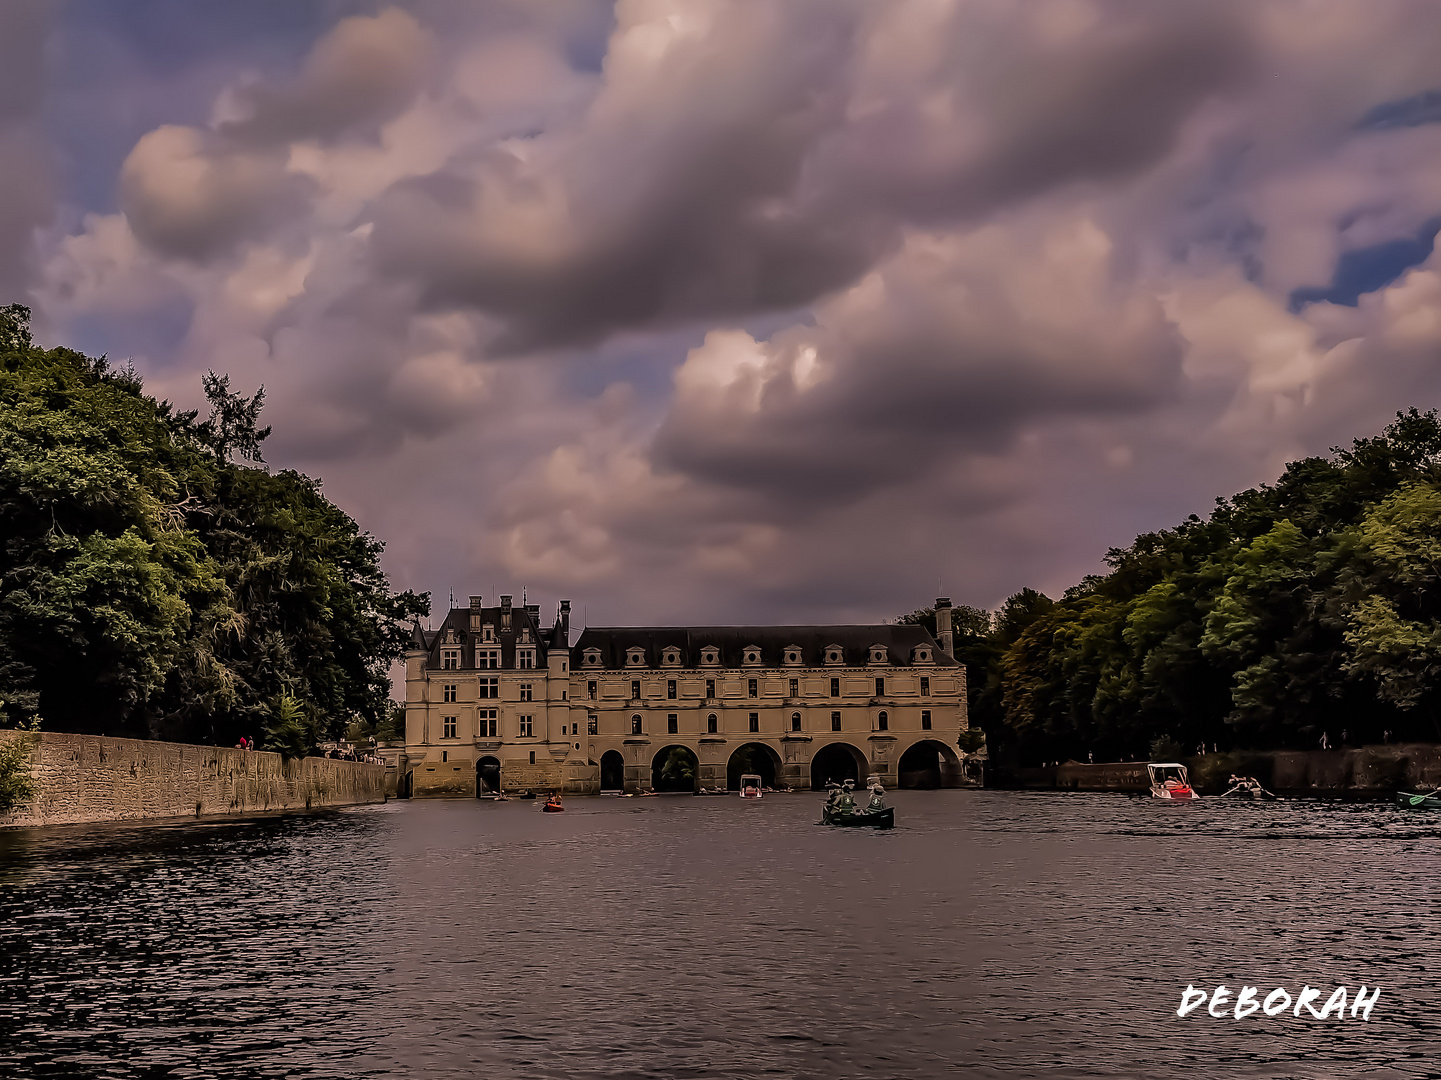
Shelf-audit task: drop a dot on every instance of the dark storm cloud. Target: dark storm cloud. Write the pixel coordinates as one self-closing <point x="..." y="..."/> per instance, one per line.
<point x="362" y="72"/>
<point x="782" y="159"/>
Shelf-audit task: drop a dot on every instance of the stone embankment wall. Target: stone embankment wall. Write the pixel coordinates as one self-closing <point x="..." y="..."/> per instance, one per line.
<point x="86" y="778"/>
<point x="1361" y="772"/>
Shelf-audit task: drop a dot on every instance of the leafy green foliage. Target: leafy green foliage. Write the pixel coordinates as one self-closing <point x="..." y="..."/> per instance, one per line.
<point x="1311" y="606"/>
<point x="151" y="586"/>
<point x="16" y="785"/>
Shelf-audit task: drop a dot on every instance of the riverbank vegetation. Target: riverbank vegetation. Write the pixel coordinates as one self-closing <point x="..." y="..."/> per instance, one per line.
<point x="1304" y="610"/>
<point x="157" y="580"/>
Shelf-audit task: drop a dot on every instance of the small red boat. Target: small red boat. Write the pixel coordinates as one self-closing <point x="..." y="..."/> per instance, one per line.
<point x="552" y="806"/>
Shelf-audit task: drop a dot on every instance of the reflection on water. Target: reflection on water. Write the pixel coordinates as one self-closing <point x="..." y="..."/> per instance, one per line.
<point x="993" y="934"/>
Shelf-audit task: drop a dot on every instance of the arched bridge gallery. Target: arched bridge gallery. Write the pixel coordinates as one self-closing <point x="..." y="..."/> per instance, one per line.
<point x="495" y="702"/>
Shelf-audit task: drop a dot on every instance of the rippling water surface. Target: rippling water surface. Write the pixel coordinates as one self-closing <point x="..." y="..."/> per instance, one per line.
<point x="992" y="934"/>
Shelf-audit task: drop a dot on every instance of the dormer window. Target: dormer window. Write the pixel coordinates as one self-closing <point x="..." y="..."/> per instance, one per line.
<point x="525" y="635"/>
<point x="752" y="654"/>
<point x="592" y="658"/>
<point x="635" y="657"/>
<point x="487" y="632"/>
<point x="792" y="654"/>
<point x="878" y="654"/>
<point x="672" y="657"/>
<point x="835" y="654"/>
<point x="451" y="637"/>
<point x="923" y="654"/>
<point x="449" y="659"/>
<point x="709" y="656"/>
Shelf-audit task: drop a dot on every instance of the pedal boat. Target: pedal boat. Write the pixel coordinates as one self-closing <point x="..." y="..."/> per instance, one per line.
<point x="859" y="818"/>
<point x="750" y="786"/>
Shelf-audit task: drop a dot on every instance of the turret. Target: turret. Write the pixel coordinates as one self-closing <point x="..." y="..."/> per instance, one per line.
<point x="943" y="626"/>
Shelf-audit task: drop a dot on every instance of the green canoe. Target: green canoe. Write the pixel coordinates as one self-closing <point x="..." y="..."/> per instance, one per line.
<point x="866" y="819"/>
<point x="1427" y="802"/>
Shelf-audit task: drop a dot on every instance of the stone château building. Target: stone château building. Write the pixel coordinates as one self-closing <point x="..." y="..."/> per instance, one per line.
<point x="494" y="701"/>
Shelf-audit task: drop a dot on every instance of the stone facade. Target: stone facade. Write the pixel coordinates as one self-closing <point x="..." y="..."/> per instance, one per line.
<point x="88" y="778"/>
<point x="495" y="701"/>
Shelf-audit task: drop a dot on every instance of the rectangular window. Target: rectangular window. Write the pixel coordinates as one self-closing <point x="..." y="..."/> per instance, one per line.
<point x="487" y="658"/>
<point x="490" y="687"/>
<point x="925" y="719"/>
<point x="752" y="688"/>
<point x="672" y="724"/>
<point x="449" y="659"/>
<point x="835" y="721"/>
<point x="755" y="722"/>
<point x="525" y="658"/>
<point x="635" y="688"/>
<point x="532" y="757"/>
<point x="795" y="721"/>
<point x="526" y="692"/>
<point x="795" y="688"/>
<point x="635" y="728"/>
<point x="925" y="686"/>
<point x="710" y="688"/>
<point x="444" y="756"/>
<point x="447" y="730"/>
<point x="710" y="724"/>
<point x="590" y="689"/>
<point x="592" y="725"/>
<point x="883" y="722"/>
<point x="449" y="694"/>
<point x="575" y="727"/>
<point x="527" y="726"/>
<point x="670" y="689"/>
<point x="880" y="687"/>
<point x="835" y="688"/>
<point x="485" y="724"/>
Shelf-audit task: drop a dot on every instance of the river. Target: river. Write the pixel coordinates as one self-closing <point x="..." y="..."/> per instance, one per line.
<point x="992" y="934"/>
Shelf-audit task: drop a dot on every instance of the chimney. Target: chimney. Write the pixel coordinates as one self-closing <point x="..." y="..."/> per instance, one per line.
<point x="565" y="623"/>
<point x="475" y="612"/>
<point x="505" y="612"/>
<point x="533" y="610"/>
<point x="943" y="626"/>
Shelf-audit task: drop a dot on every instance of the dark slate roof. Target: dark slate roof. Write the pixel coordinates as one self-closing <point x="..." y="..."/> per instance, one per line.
<point x="732" y="641"/>
<point x="458" y="619"/>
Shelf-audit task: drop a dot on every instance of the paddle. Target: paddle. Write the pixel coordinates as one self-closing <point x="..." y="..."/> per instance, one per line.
<point x="1417" y="800"/>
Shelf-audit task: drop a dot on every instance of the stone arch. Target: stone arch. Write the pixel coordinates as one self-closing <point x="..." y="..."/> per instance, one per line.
<point x="838" y="761"/>
<point x="612" y="771"/>
<point x="487" y="776"/>
<point x="929" y="763"/>
<point x="753" y="757"/>
<point x="675" y="768"/>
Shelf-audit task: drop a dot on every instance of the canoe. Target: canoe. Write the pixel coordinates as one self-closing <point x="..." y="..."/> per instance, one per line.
<point x="866" y="819"/>
<point x="1429" y="802"/>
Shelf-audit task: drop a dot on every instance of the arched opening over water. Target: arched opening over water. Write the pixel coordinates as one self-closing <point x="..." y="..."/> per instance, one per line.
<point x="612" y="771"/>
<point x="674" y="768"/>
<point x="837" y="762"/>
<point x="753" y="757"/>
<point x="487" y="776"/>
<point x="929" y="764"/>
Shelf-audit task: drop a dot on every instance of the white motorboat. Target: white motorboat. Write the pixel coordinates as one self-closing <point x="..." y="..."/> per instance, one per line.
<point x="1169" y="780"/>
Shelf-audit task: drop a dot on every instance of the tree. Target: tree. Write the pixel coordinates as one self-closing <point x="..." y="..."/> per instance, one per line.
<point x="152" y="586"/>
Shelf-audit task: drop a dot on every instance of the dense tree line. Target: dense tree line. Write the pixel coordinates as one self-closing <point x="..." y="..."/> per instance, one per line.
<point x="1305" y="608"/>
<point x="157" y="581"/>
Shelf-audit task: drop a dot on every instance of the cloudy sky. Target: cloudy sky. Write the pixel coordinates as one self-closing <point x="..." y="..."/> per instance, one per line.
<point x="713" y="311"/>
